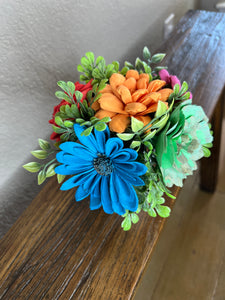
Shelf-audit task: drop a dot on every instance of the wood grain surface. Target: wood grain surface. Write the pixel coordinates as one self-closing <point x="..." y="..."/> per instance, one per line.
<point x="59" y="249"/>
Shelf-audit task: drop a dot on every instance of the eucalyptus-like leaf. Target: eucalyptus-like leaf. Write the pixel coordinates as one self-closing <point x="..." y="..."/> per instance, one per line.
<point x="58" y="129"/>
<point x="51" y="170"/>
<point x="161" y="109"/>
<point x="160" y="123"/>
<point x="150" y="135"/>
<point x="80" y="68"/>
<point x="125" y="136"/>
<point x="40" y="154"/>
<point x="146" y="53"/>
<point x="60" y="178"/>
<point x="116" y="65"/>
<point x="157" y="58"/>
<point x="136" y="125"/>
<point x="63" y="85"/>
<point x="176" y="88"/>
<point x="32" y="167"/>
<point x="135" y="144"/>
<point x="41" y="177"/>
<point x="44" y="144"/>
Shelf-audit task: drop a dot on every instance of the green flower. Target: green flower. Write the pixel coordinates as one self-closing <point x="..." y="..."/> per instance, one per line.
<point x="181" y="143"/>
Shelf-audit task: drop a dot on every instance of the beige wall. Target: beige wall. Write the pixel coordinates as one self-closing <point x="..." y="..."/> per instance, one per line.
<point x="42" y="42"/>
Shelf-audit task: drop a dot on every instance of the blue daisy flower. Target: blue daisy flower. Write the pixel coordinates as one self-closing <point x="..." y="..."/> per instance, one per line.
<point x="103" y="169"/>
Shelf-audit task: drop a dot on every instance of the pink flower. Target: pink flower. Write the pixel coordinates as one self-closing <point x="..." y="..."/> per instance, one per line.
<point x="170" y="79"/>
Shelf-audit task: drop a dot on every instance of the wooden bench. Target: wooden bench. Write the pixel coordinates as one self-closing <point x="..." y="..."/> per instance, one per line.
<point x="59" y="249"/>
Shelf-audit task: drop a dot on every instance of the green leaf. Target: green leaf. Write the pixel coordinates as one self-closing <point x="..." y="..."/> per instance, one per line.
<point x="125" y="136"/>
<point x="184" y="88"/>
<point x="59" y="121"/>
<point x="134" y="218"/>
<point x="106" y="119"/>
<point x="91" y="57"/>
<point x="62" y="95"/>
<point x="87" y="131"/>
<point x="152" y="212"/>
<point x="163" y="211"/>
<point x="79" y="120"/>
<point x="75" y="111"/>
<point x="206" y="152"/>
<point x="100" y="126"/>
<point x="129" y="65"/>
<point x="161" y="109"/>
<point x="57" y="129"/>
<point x="60" y="178"/>
<point x="124" y="70"/>
<point x="78" y="95"/>
<point x="150" y="135"/>
<point x="146" y="53"/>
<point x="99" y="58"/>
<point x="138" y="63"/>
<point x="136" y="125"/>
<point x="32" y="167"/>
<point x="40" y="154"/>
<point x="68" y="111"/>
<point x="126" y="224"/>
<point x="71" y="87"/>
<point x="176" y="89"/>
<point x="41" y="177"/>
<point x="63" y="85"/>
<point x="51" y="170"/>
<point x="116" y="66"/>
<point x="68" y="124"/>
<point x="157" y="58"/>
<point x="80" y="68"/>
<point x="135" y="144"/>
<point x="160" y="123"/>
<point x="44" y="144"/>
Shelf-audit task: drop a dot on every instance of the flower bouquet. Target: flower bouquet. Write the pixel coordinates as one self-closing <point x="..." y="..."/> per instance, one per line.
<point x="124" y="136"/>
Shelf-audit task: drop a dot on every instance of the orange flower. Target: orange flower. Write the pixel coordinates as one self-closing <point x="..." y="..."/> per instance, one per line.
<point x="130" y="96"/>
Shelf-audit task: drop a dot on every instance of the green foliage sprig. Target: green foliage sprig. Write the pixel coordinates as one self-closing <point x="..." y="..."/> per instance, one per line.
<point x="145" y="66"/>
<point x="96" y="69"/>
<point x="46" y="169"/>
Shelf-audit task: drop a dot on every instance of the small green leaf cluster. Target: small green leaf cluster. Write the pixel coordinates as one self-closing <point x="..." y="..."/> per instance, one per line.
<point x="96" y="69"/>
<point x="68" y="91"/>
<point x="46" y="169"/>
<point x="144" y="66"/>
<point x="129" y="218"/>
<point x="179" y="94"/>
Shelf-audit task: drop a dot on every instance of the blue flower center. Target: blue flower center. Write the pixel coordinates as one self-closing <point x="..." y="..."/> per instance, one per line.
<point x="103" y="164"/>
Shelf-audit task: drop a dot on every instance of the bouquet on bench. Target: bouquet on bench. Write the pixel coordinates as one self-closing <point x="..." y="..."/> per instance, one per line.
<point x="124" y="136"/>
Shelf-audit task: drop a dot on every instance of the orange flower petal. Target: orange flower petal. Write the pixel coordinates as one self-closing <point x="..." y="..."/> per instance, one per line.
<point x="144" y="119"/>
<point x="156" y="85"/>
<point x="125" y="94"/>
<point x="107" y="89"/>
<point x="131" y="84"/>
<point x="95" y="106"/>
<point x="104" y="113"/>
<point x="165" y="93"/>
<point x="135" y="108"/>
<point x="142" y="83"/>
<point x="119" y="123"/>
<point x="144" y="75"/>
<point x="138" y="94"/>
<point x="116" y="79"/>
<point x="132" y="73"/>
<point x="110" y="102"/>
<point x="151" y="97"/>
<point x="149" y="110"/>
